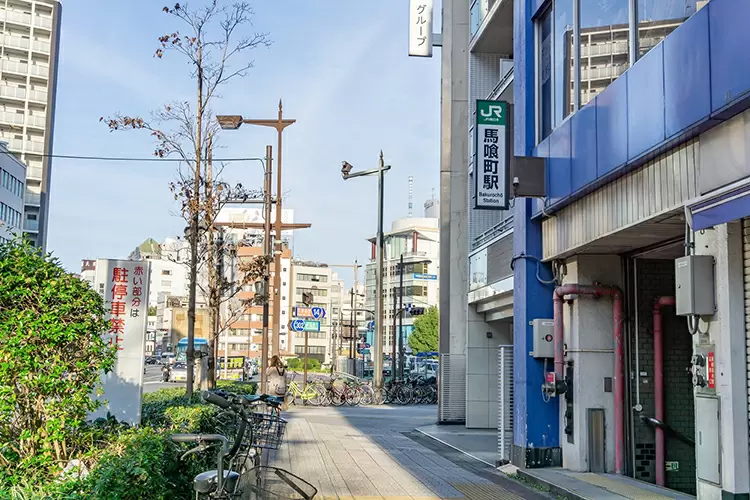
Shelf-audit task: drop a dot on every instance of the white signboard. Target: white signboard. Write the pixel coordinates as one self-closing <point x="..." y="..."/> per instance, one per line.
<point x="420" y="28"/>
<point x="491" y="155"/>
<point x="124" y="286"/>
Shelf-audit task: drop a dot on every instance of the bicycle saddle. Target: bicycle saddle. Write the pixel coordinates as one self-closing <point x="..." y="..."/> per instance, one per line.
<point x="205" y="482"/>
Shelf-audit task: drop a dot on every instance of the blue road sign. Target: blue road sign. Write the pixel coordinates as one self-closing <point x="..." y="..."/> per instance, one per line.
<point x="370" y="326"/>
<point x="421" y="276"/>
<point x="304" y="325"/>
<point x="318" y="312"/>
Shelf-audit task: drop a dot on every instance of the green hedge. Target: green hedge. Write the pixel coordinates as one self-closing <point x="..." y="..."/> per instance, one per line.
<point x="134" y="463"/>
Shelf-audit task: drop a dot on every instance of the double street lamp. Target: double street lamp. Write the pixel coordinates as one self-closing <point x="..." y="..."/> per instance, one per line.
<point x="377" y="355"/>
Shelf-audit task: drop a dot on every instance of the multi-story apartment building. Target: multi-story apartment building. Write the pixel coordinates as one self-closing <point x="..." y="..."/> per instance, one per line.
<point x="246" y="328"/>
<point x="12" y="180"/>
<point x="417" y="241"/>
<point x="169" y="268"/>
<point x="29" y="51"/>
<point x="639" y="110"/>
<point x="326" y="289"/>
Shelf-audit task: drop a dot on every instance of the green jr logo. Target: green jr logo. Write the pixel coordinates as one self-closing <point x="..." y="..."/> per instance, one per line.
<point x="491" y="112"/>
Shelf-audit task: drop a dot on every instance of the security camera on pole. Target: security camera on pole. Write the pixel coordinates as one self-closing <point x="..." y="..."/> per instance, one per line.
<point x="377" y="355"/>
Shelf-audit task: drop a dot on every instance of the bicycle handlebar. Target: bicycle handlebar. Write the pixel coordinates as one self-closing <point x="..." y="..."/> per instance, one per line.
<point x="213" y="398"/>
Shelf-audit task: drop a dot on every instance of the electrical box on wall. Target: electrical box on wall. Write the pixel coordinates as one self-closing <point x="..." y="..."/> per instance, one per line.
<point x="694" y="285"/>
<point x="543" y="346"/>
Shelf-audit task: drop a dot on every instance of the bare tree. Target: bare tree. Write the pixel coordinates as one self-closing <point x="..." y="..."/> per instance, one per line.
<point x="215" y="46"/>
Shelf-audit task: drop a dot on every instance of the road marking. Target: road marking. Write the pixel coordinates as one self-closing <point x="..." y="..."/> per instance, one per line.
<point x="457" y="449"/>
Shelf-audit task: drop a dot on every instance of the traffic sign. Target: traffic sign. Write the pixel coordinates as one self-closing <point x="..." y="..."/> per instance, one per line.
<point x="309" y="312"/>
<point x="422" y="276"/>
<point x="318" y="312"/>
<point x="370" y="326"/>
<point x="304" y="325"/>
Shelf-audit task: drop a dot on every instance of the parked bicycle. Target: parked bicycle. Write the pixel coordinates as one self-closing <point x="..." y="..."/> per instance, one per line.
<point x="238" y="473"/>
<point x="312" y="393"/>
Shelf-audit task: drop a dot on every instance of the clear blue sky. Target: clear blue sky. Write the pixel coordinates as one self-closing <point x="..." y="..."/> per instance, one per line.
<point x="342" y="69"/>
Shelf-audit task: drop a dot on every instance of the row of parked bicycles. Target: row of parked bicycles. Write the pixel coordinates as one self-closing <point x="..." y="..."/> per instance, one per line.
<point x="341" y="389"/>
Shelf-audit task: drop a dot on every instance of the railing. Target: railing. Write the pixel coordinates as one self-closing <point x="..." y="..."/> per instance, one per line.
<point x="16" y="67"/>
<point x="43" y="22"/>
<point x="39" y="46"/>
<point x="39" y="70"/>
<point x="14" y="16"/>
<point x="34" y="173"/>
<point x="493" y="232"/>
<point x="30" y="225"/>
<point x="16" y="42"/>
<point x="32" y="198"/>
<point x="605" y="72"/>
<point x="36" y="121"/>
<point x="12" y="118"/>
<point x="35" y="146"/>
<point x="38" y="95"/>
<point x="604" y="49"/>
<point x="12" y="92"/>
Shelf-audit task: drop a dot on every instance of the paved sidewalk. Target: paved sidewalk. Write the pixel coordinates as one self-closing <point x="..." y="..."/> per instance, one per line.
<point x="374" y="452"/>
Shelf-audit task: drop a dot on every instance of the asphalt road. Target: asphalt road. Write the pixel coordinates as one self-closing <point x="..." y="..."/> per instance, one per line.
<point x="152" y="380"/>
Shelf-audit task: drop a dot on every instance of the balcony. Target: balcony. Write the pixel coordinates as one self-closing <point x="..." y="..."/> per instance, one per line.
<point x="39" y="70"/>
<point x="40" y="46"/>
<point x="31" y="225"/>
<point x="12" y="92"/>
<point x="34" y="173"/>
<point x="16" y="17"/>
<point x="604" y="49"/>
<point x="38" y="96"/>
<point x="30" y="198"/>
<point x="17" y="42"/>
<point x="11" y="118"/>
<point x="43" y="22"/>
<point x="18" y="68"/>
<point x="492" y="27"/>
<point x="35" y="146"/>
<point x="606" y="72"/>
<point x="36" y="121"/>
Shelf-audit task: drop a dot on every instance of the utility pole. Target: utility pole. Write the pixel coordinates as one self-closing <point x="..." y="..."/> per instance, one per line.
<point x="400" y="268"/>
<point x="266" y="253"/>
<point x="401" y="320"/>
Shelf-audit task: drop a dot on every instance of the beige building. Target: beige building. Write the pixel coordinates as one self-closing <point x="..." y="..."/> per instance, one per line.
<point x="28" y="77"/>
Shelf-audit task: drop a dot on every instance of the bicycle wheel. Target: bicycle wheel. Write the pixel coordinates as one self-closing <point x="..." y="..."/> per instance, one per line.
<point x="337" y="396"/>
<point x="353" y="396"/>
<point x="272" y="483"/>
<point x="367" y="395"/>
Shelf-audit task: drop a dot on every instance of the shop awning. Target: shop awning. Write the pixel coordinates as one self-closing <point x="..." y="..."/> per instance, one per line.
<point x="723" y="205"/>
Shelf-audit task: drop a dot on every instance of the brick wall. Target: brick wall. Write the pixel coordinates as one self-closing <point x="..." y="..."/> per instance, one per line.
<point x="656" y="278"/>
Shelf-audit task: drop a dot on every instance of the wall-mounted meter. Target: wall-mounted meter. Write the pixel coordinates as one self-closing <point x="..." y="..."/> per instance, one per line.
<point x="543" y="346"/>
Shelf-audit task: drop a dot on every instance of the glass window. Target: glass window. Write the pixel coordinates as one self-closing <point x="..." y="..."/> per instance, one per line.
<point x="657" y="19"/>
<point x="603" y="44"/>
<point x="545" y="74"/>
<point x="563" y="76"/>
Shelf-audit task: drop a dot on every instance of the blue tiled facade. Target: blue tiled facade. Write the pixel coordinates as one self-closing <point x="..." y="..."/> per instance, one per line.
<point x="697" y="77"/>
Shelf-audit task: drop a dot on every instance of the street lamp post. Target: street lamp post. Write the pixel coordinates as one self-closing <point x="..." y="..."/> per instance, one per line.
<point x="398" y="312"/>
<point x="233" y="122"/>
<point x="377" y="355"/>
<point x="266" y="252"/>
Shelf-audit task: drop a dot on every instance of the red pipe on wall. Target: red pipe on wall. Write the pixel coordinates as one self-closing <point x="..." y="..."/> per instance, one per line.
<point x="619" y="382"/>
<point x="659" y="387"/>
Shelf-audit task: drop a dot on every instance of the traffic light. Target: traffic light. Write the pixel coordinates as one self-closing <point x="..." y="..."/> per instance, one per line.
<point x="417" y="311"/>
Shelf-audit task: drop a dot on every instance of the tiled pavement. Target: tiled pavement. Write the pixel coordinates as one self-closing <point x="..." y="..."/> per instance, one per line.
<point x="374" y="453"/>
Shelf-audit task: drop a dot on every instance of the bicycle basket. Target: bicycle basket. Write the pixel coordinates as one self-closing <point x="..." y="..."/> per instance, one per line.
<point x="272" y="483"/>
<point x="268" y="430"/>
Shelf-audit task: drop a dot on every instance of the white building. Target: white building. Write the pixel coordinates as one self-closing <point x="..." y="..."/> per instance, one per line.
<point x="28" y="78"/>
<point x="169" y="268"/>
<point x="326" y="288"/>
<point x="246" y="213"/>
<point x="417" y="240"/>
<point x="12" y="179"/>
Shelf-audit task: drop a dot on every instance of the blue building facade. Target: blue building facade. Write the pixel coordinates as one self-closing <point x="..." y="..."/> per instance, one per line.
<point x="639" y="109"/>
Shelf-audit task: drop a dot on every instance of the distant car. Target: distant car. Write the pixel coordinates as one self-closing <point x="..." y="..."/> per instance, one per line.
<point x="178" y="372"/>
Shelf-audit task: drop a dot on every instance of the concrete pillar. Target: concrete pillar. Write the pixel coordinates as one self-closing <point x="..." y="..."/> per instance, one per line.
<point x="454" y="202"/>
<point x="726" y="331"/>
<point x="589" y="337"/>
<point x="481" y="369"/>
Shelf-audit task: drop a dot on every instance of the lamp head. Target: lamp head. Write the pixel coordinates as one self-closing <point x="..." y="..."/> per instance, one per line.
<point x="346" y="169"/>
<point x="229" y="122"/>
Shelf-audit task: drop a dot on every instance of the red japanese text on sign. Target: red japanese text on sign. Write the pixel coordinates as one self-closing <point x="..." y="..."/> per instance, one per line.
<point x="119" y="275"/>
<point x="711" y="371"/>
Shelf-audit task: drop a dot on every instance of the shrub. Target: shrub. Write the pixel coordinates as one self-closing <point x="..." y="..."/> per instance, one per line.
<point x="51" y="358"/>
<point x="294" y="363"/>
<point x="313" y="364"/>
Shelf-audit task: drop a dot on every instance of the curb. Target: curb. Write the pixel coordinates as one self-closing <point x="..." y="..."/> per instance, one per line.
<point x="553" y="488"/>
